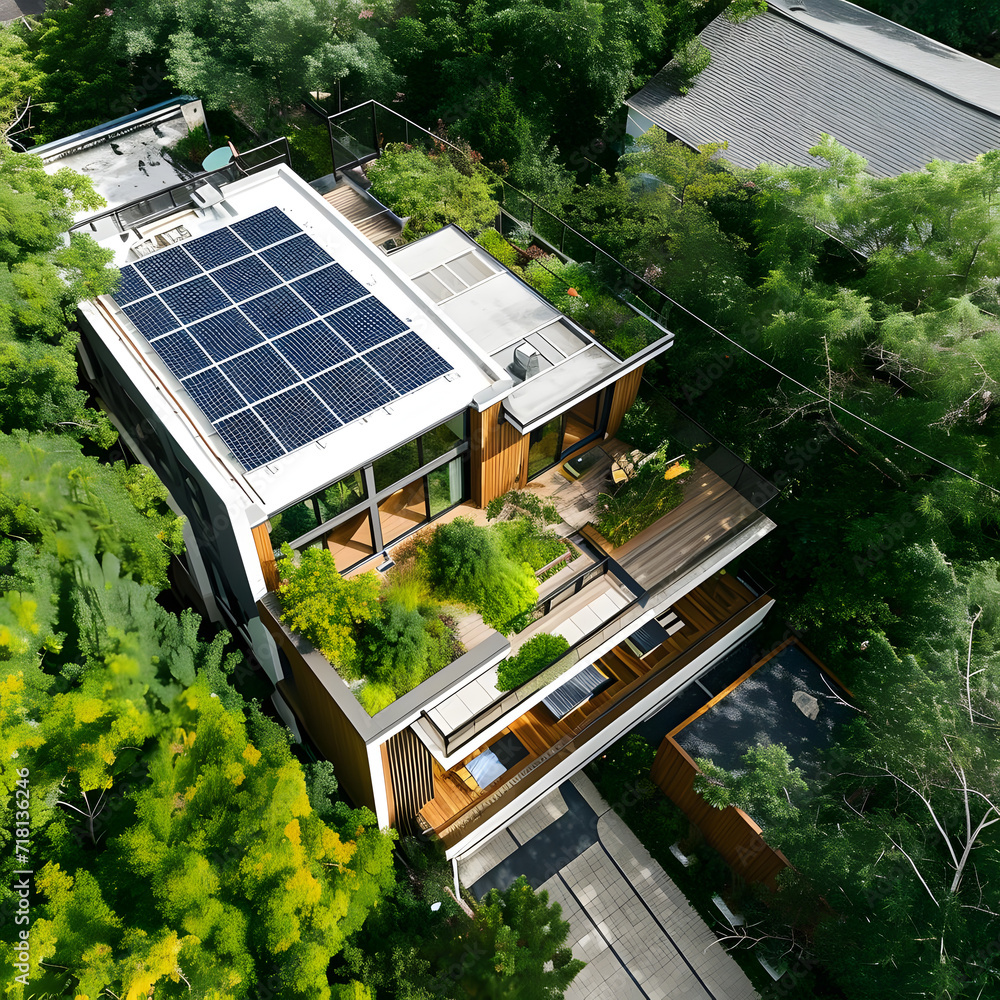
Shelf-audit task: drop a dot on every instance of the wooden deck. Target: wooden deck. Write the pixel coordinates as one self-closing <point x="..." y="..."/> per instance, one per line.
<point x="375" y="222"/>
<point x="707" y="606"/>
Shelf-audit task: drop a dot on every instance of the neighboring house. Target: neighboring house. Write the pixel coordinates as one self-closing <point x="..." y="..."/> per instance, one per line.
<point x="781" y="78"/>
<point x="290" y="382"/>
<point x="128" y="158"/>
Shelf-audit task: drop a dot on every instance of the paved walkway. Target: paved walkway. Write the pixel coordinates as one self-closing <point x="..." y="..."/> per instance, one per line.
<point x="640" y="938"/>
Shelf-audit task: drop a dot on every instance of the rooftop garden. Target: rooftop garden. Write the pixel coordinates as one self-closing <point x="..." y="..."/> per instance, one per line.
<point x="385" y="634"/>
<point x="449" y="184"/>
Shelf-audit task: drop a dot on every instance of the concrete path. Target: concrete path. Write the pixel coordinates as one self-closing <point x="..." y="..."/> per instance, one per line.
<point x="640" y="938"/>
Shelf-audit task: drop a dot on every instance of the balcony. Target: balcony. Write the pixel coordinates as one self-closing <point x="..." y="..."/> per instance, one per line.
<point x="708" y="613"/>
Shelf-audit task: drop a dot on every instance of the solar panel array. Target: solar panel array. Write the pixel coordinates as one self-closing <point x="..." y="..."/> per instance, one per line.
<point x="273" y="339"/>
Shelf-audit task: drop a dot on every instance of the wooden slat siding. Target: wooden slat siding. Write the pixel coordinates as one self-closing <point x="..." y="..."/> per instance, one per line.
<point x="412" y="777"/>
<point x="265" y="553"/>
<point x="626" y="389"/>
<point x="328" y="727"/>
<point x="730" y="831"/>
<point x="458" y="826"/>
<point x="497" y="455"/>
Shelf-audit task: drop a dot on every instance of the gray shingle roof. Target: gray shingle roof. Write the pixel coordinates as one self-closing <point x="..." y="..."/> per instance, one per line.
<point x="780" y="79"/>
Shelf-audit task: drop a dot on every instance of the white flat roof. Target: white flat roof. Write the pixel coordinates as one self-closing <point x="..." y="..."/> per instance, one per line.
<point x="307" y="469"/>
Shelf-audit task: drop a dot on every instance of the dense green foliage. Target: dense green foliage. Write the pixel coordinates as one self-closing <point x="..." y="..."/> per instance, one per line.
<point x="533" y="657"/>
<point x="173" y="836"/>
<point x="433" y="190"/>
<point x="470" y="564"/>
<point x="257" y="58"/>
<point x="512" y="948"/>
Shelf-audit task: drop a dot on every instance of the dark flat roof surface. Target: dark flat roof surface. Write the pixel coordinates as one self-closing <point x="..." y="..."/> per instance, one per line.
<point x="780" y="79"/>
<point x="760" y="712"/>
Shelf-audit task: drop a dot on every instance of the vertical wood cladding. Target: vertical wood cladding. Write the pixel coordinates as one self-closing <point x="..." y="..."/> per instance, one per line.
<point x="265" y="553"/>
<point x="626" y="389"/>
<point x="730" y="831"/>
<point x="412" y="778"/>
<point x="498" y="455"/>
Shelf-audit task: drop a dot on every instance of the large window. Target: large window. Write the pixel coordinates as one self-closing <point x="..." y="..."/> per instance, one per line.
<point x="556" y="438"/>
<point x="306" y="515"/>
<point x="372" y="508"/>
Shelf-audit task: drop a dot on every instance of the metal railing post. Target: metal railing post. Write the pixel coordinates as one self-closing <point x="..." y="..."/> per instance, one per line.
<point x="333" y="154"/>
<point x="375" y="144"/>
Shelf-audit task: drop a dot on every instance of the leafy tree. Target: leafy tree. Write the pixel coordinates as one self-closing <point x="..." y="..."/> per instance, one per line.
<point x="83" y="81"/>
<point x="258" y="58"/>
<point x="19" y="77"/>
<point x="513" y="946"/>
<point x="763" y="788"/>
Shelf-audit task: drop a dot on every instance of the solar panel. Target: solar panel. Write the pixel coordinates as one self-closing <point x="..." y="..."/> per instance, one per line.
<point x="407" y="363"/>
<point x="366" y="323"/>
<point x="245" y="278"/>
<point x="267" y="372"/>
<point x="167" y="267"/>
<point x="313" y="348"/>
<point x="151" y="317"/>
<point x="277" y="312"/>
<point x="296" y="257"/>
<point x="265" y="228"/>
<point x="352" y="390"/>
<point x="195" y="299"/>
<point x="132" y="286"/>
<point x="259" y="373"/>
<point x="183" y="355"/>
<point x="329" y="289"/>
<point x="225" y="334"/>
<point x="214" y="393"/>
<point x="216" y="249"/>
<point x="297" y="417"/>
<point x="250" y="441"/>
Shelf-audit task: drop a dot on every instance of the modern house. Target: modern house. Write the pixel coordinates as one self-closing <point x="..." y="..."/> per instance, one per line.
<point x="780" y="79"/>
<point x="290" y="382"/>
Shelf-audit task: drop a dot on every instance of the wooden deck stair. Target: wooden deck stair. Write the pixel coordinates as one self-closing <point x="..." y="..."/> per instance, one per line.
<point x="375" y="222"/>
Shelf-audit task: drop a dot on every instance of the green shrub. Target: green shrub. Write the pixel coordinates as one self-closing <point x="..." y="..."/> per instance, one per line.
<point x="532" y="658"/>
<point x="496" y="246"/>
<point x="327" y="609"/>
<point x="467" y="563"/>
<point x="431" y="191"/>
<point x="375" y="696"/>
<point x="646" y="497"/>
<point x="396" y="647"/>
<point x="522" y="540"/>
<point x="522" y="503"/>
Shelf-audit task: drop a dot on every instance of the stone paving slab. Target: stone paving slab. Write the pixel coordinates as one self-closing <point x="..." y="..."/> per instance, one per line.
<point x="633" y="927"/>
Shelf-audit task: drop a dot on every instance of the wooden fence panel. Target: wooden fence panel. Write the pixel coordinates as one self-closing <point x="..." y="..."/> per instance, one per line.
<point x="730" y="831"/>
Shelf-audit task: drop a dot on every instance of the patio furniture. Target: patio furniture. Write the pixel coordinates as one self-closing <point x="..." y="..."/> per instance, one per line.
<point x="485" y="768"/>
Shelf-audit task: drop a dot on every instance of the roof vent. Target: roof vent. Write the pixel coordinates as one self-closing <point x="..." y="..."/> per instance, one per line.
<point x="796" y="6"/>
<point x="527" y="362"/>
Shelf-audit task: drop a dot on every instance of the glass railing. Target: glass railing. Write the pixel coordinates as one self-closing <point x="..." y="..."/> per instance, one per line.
<point x="144" y="210"/>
